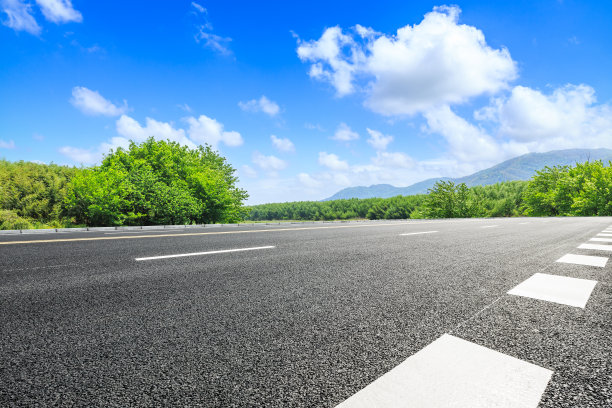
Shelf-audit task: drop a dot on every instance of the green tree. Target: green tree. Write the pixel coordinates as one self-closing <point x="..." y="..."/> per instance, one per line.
<point x="157" y="182"/>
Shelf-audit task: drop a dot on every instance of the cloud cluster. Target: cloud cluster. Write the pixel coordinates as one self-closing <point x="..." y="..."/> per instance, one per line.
<point x="204" y="34"/>
<point x="437" y="61"/>
<point x="262" y="104"/>
<point x="282" y="144"/>
<point x="92" y="103"/>
<point x="344" y="133"/>
<point x="19" y="14"/>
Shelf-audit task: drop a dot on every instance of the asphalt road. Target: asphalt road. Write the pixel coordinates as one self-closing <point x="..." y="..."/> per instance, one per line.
<point x="309" y="322"/>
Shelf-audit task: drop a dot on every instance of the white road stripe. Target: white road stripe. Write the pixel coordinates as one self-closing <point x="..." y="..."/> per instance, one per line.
<point x="203" y="253"/>
<point x="604" y="235"/>
<point x="595" y="246"/>
<point x="136" y="232"/>
<point x="417" y="233"/>
<point x="584" y="260"/>
<point x="557" y="289"/>
<point x="489" y="226"/>
<point x="601" y="239"/>
<point x="452" y="372"/>
<point x="523" y="223"/>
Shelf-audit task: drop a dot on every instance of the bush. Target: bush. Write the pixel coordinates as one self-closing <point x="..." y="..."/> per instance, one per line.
<point x="9" y="220"/>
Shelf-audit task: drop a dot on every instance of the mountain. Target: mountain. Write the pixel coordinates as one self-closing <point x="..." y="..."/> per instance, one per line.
<point x="518" y="168"/>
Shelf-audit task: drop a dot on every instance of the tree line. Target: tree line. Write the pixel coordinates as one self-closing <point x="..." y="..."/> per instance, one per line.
<point x="162" y="182"/>
<point x="152" y="183"/>
<point x="584" y="189"/>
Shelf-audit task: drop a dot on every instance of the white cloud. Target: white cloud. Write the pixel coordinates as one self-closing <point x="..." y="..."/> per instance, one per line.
<point x="282" y="144"/>
<point x="437" y="61"/>
<point x="308" y="181"/>
<point x="59" y="11"/>
<point x="208" y="130"/>
<point x="198" y="7"/>
<point x="344" y="133"/>
<point x="568" y="117"/>
<point x="394" y="160"/>
<point x="248" y="171"/>
<point x="269" y="163"/>
<point x="262" y="104"/>
<point x="332" y="162"/>
<point x="92" y="103"/>
<point x="81" y="156"/>
<point x="130" y="129"/>
<point x="7" y="145"/>
<point x="213" y="41"/>
<point x="377" y="140"/>
<point x="18" y="16"/>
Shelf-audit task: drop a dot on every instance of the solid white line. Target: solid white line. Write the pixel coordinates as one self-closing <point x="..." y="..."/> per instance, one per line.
<point x="203" y="253"/>
<point x="604" y="235"/>
<point x="601" y="239"/>
<point x="584" y="260"/>
<point x="595" y="246"/>
<point x="557" y="289"/>
<point x="489" y="226"/>
<point x="417" y="233"/>
<point x="452" y="372"/>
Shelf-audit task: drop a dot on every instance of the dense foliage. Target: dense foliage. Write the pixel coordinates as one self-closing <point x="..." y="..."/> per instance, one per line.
<point x="156" y="182"/>
<point x="32" y="194"/>
<point x="583" y="189"/>
<point x="159" y="182"/>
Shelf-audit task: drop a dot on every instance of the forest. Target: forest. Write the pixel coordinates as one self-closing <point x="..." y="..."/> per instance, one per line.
<point x="162" y="182"/>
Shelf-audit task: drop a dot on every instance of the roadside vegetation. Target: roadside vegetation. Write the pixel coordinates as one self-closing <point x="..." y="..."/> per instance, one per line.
<point x="152" y="183"/>
<point x="162" y="182"/>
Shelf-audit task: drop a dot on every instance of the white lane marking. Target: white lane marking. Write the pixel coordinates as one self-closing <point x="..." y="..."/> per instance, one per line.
<point x="607" y="231"/>
<point x="600" y="239"/>
<point x="417" y="233"/>
<point x="523" y="223"/>
<point x="135" y="232"/>
<point x="604" y="235"/>
<point x="557" y="289"/>
<point x="595" y="246"/>
<point x="203" y="253"/>
<point x="455" y="372"/>
<point x="489" y="226"/>
<point x="584" y="260"/>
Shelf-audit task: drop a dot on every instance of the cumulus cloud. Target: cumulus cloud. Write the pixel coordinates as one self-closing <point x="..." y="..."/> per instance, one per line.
<point x="19" y="17"/>
<point x="344" y="133"/>
<point x="437" y="61"/>
<point x="393" y="159"/>
<point x="59" y="11"/>
<point x="208" y="130"/>
<point x="377" y="140"/>
<point x="568" y="117"/>
<point x="7" y="144"/>
<point x="308" y="181"/>
<point x="282" y="144"/>
<point x="81" y="156"/>
<point x="269" y="163"/>
<point x="130" y="129"/>
<point x="332" y="162"/>
<point x="262" y="104"/>
<point x="92" y="103"/>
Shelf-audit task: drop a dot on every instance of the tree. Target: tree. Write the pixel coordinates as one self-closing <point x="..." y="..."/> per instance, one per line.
<point x="157" y="182"/>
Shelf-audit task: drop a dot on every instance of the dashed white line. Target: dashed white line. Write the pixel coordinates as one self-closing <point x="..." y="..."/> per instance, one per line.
<point x="595" y="246"/>
<point x="455" y="372"/>
<point x="421" y="232"/>
<point x="604" y="235"/>
<point x="150" y="258"/>
<point x="601" y="239"/>
<point x="523" y="223"/>
<point x="584" y="260"/>
<point x="557" y="289"/>
<point x="489" y="226"/>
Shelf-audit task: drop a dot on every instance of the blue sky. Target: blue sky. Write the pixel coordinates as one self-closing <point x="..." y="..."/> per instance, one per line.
<point x="305" y="99"/>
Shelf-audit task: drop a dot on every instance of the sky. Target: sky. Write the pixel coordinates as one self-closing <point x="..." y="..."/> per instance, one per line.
<point x="307" y="98"/>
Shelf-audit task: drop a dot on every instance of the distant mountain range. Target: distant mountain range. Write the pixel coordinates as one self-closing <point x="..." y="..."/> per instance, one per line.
<point x="518" y="168"/>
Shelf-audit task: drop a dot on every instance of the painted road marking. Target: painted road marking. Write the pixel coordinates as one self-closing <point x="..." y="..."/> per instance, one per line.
<point x="150" y="258"/>
<point x="557" y="289"/>
<point x="489" y="226"/>
<point x="604" y="235"/>
<point x="595" y="246"/>
<point x="417" y="233"/>
<point x="601" y="239"/>
<point x="584" y="260"/>
<point x="452" y="372"/>
<point x="135" y="232"/>
<point x="523" y="223"/>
